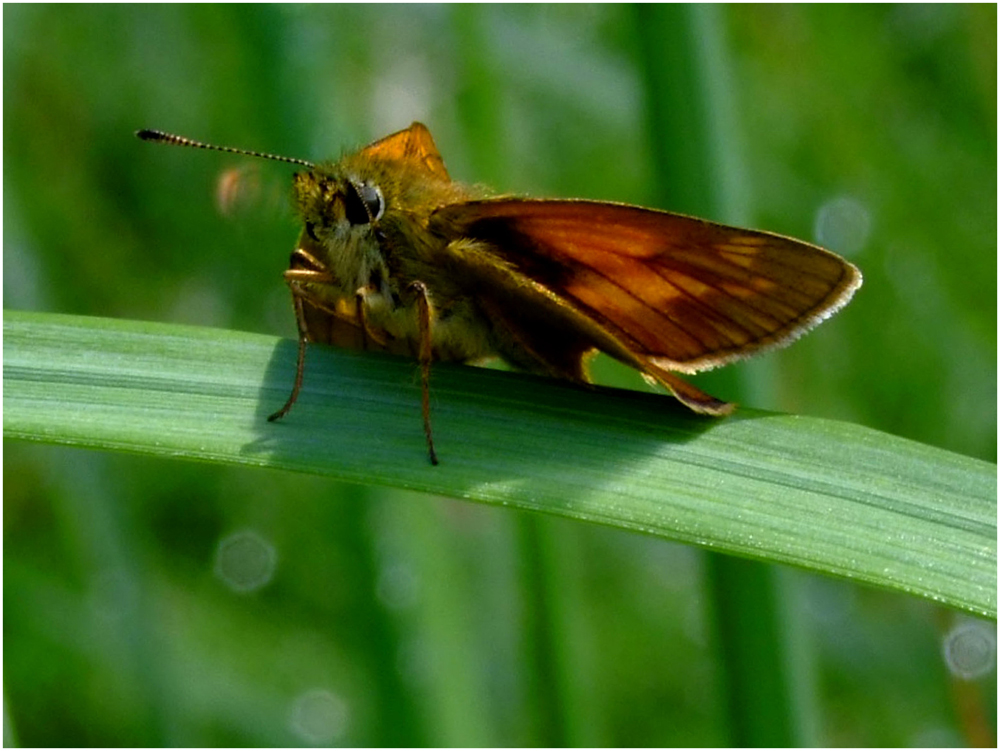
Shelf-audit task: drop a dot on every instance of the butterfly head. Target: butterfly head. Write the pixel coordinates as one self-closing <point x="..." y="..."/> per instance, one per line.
<point x="337" y="207"/>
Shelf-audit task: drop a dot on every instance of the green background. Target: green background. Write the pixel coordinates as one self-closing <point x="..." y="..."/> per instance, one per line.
<point x="407" y="619"/>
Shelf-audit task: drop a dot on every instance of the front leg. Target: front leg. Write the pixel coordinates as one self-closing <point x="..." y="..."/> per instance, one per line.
<point x="334" y="322"/>
<point x="294" y="278"/>
<point x="425" y="316"/>
<point x="305" y="270"/>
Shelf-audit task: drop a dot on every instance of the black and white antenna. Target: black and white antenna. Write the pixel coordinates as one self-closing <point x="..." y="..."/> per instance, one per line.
<point x="161" y="137"/>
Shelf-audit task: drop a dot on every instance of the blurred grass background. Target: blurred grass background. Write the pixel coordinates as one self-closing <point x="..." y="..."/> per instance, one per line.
<point x="374" y="617"/>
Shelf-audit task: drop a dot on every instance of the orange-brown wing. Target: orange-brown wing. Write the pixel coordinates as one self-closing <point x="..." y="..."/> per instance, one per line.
<point x="673" y="292"/>
<point x="415" y="145"/>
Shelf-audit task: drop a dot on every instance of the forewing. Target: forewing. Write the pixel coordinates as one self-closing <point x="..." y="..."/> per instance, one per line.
<point x="676" y="292"/>
<point x="414" y="145"/>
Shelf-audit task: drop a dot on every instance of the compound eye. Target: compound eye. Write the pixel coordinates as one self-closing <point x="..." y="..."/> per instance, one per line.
<point x="363" y="203"/>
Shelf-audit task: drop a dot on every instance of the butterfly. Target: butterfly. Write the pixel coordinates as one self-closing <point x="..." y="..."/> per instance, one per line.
<point x="396" y="256"/>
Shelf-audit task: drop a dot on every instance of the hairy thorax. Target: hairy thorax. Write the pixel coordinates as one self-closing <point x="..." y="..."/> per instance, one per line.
<point x="367" y="223"/>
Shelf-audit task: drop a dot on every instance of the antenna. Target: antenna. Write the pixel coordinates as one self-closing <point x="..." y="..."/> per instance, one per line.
<point x="161" y="137"/>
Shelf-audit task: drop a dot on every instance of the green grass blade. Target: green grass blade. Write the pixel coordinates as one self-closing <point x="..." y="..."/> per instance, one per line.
<point x="831" y="497"/>
<point x="693" y="134"/>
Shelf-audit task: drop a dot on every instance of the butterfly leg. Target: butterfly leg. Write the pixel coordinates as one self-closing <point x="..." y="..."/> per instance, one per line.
<point x="301" y="362"/>
<point x="303" y="268"/>
<point x="359" y="312"/>
<point x="425" y="354"/>
<point x="367" y="336"/>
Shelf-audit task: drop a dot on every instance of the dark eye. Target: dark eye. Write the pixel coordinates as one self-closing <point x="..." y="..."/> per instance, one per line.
<point x="362" y="203"/>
